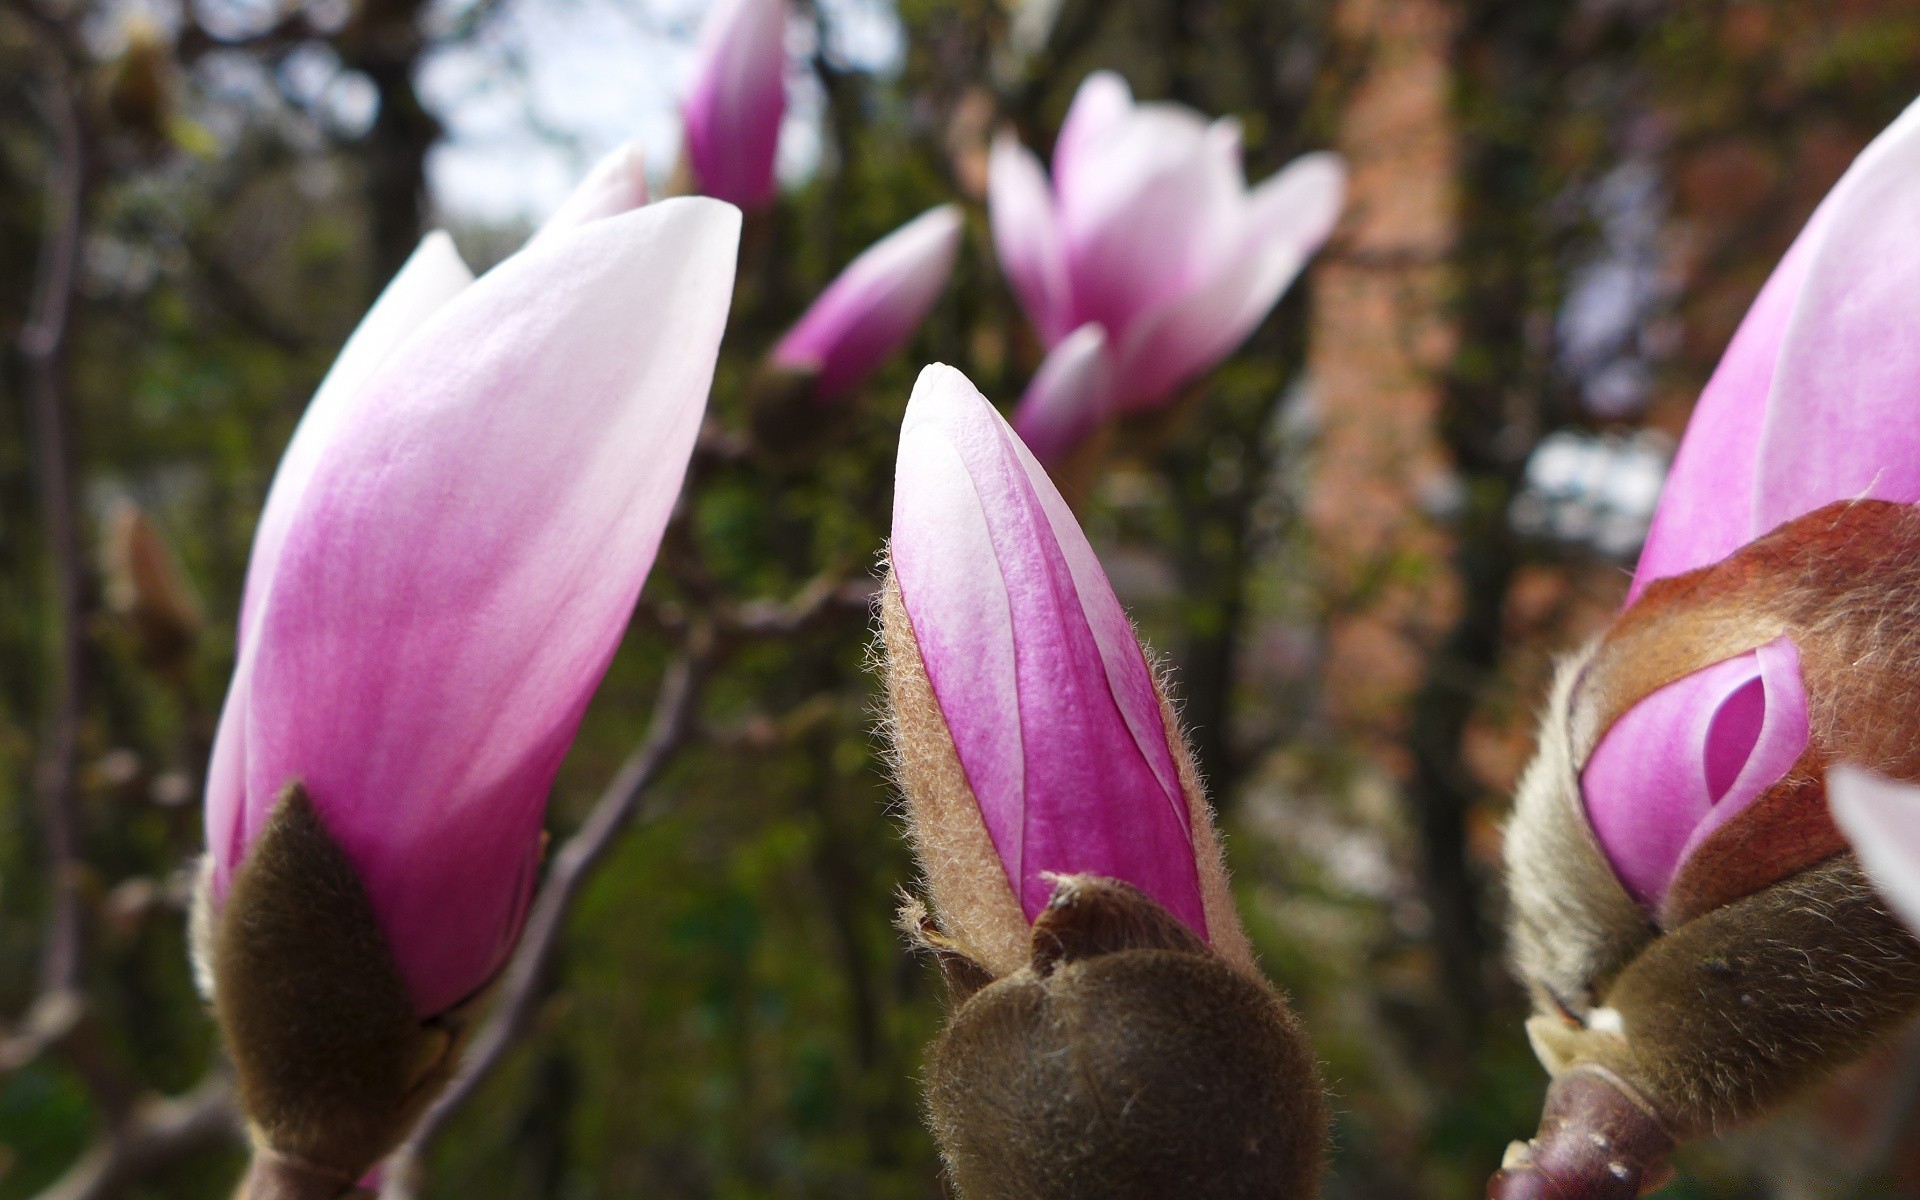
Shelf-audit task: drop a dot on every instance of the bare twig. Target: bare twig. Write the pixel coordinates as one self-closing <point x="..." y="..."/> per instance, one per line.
<point x="522" y="982"/>
<point x="43" y="344"/>
<point x="157" y="1132"/>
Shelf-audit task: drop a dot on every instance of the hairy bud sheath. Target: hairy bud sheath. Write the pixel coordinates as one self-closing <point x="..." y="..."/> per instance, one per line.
<point x="333" y="1065"/>
<point x="1699" y="941"/>
<point x="1111" y="1033"/>
<point x="1125" y="1059"/>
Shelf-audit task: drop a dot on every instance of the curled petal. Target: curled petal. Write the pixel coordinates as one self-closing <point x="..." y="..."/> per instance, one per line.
<point x="1881" y="817"/>
<point x="431" y="276"/>
<point x="1691" y="757"/>
<point x="1047" y="695"/>
<point x="874" y="305"/>
<point x="1026" y="237"/>
<point x="459" y="570"/>
<point x="1070" y="396"/>
<point x="734" y="109"/>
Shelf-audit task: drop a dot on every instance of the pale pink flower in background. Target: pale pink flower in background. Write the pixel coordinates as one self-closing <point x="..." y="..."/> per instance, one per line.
<point x="1047" y="696"/>
<point x="1817" y="400"/>
<point x="1149" y="230"/>
<point x="734" y="108"/>
<point x="451" y="550"/>
<point x="1071" y="395"/>
<point x="874" y="306"/>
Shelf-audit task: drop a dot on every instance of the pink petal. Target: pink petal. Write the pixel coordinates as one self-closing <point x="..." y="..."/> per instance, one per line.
<point x="1070" y="396"/>
<point x="1815" y="398"/>
<point x="1102" y="104"/>
<point x="1300" y="203"/>
<point x="1843" y="417"/>
<point x="1026" y="237"/>
<point x="1150" y="210"/>
<point x="1046" y="692"/>
<point x="431" y="277"/>
<point x="1881" y="817"/>
<point x="738" y="99"/>
<point x="1691" y="757"/>
<point x="876" y="304"/>
<point x="616" y="184"/>
<point x="1192" y="333"/>
<point x="462" y="565"/>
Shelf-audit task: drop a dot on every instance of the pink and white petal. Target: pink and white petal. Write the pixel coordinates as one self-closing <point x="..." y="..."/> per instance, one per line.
<point x="1026" y="237"/>
<point x="1881" y="817"/>
<point x="876" y="304"/>
<point x="1154" y="213"/>
<point x="1081" y="797"/>
<point x="1301" y="202"/>
<point x="1102" y="104"/>
<point x="461" y="570"/>
<point x="1707" y="504"/>
<point x="617" y="183"/>
<point x="1843" y="414"/>
<point x="1192" y="334"/>
<point x="432" y="275"/>
<point x="1129" y="675"/>
<point x="225" y="813"/>
<point x="1071" y="395"/>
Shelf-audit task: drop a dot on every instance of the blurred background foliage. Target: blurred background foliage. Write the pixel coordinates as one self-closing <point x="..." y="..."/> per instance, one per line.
<point x="1357" y="545"/>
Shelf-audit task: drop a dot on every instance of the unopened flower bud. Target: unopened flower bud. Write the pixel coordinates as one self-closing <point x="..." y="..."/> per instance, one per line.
<point x="873" y="307"/>
<point x="1685" y="908"/>
<point x="145" y="586"/>
<point x="1081" y="908"/>
<point x="446" y="563"/>
<point x="738" y="98"/>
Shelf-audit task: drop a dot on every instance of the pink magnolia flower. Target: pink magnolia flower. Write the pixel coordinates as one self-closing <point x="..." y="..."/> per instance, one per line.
<point x="875" y="305"/>
<point x="1046" y="694"/>
<point x="1071" y="395"/>
<point x="733" y="111"/>
<point x="1817" y="400"/>
<point x="1150" y="231"/>
<point x="449" y="554"/>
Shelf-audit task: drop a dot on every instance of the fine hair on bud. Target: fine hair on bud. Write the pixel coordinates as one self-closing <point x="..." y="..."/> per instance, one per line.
<point x="333" y="1064"/>
<point x="1125" y="1061"/>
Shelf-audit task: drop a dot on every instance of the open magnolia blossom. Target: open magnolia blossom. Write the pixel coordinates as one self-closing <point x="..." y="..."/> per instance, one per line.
<point x="446" y="562"/>
<point x="1684" y="906"/>
<point x="738" y="99"/>
<point x="1081" y="908"/>
<point x="873" y="307"/>
<point x="1149" y="230"/>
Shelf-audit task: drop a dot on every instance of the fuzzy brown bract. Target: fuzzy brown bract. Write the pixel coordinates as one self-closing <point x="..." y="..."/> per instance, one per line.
<point x="333" y="1065"/>
<point x="1125" y="1061"/>
<point x="1771" y="960"/>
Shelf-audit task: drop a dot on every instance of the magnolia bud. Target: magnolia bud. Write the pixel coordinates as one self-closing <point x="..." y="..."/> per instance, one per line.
<point x="1770" y="959"/>
<point x="1697" y="937"/>
<point x="146" y="586"/>
<point x="332" y="1063"/>
<point x="1111" y="1034"/>
<point x="1125" y="1059"/>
